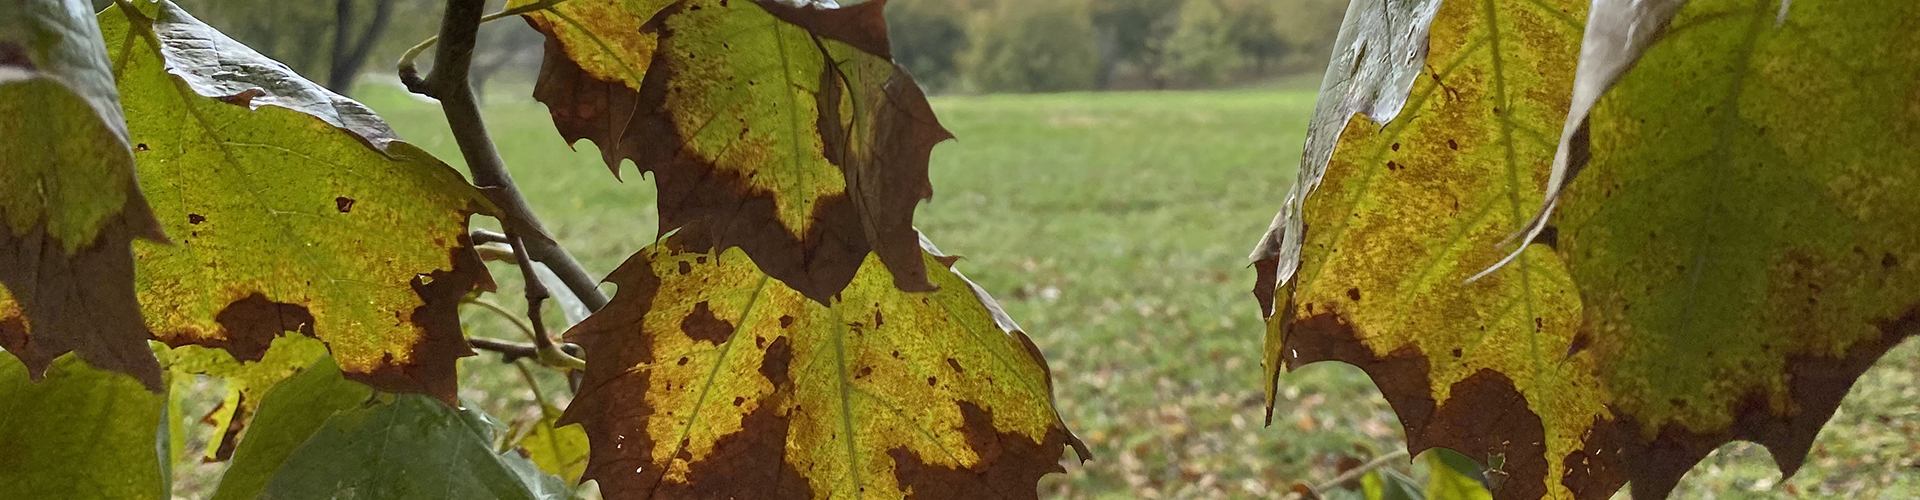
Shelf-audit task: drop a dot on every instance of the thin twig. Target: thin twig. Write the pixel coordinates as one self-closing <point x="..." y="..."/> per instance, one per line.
<point x="485" y="236"/>
<point x="502" y="311"/>
<point x="509" y="351"/>
<point x="407" y="65"/>
<point x="550" y="353"/>
<point x="448" y="83"/>
<point x="1356" y="473"/>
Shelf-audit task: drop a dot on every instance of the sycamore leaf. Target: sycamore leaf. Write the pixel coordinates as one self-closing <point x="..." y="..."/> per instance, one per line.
<point x="246" y="382"/>
<point x="783" y="130"/>
<point x="706" y="378"/>
<point x="80" y="433"/>
<point x="288" y="219"/>
<point x="70" y="206"/>
<point x="1618" y="32"/>
<point x="288" y="416"/>
<point x="1381" y="48"/>
<point x="408" y="448"/>
<point x="1738" y="249"/>
<point x="557" y="449"/>
<point x="1452" y="476"/>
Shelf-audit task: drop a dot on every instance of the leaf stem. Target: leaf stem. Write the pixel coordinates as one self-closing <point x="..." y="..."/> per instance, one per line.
<point x="448" y="83"/>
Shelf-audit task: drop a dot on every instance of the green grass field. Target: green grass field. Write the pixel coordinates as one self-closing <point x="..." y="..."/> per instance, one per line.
<point x="1115" y="227"/>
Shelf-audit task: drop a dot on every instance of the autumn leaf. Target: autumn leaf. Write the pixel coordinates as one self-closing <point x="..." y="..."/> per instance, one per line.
<point x="80" y="433"/>
<point x="1738" y="249"/>
<point x="293" y="209"/>
<point x="70" y="206"/>
<point x="561" y="450"/>
<point x="707" y="378"/>
<point x="785" y="131"/>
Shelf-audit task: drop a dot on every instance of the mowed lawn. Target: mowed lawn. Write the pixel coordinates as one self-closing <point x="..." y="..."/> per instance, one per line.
<point x="1114" y="227"/>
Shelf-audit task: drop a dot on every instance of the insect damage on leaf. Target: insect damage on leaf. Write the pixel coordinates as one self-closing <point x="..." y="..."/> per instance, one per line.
<point x="785" y="131"/>
<point x="70" y="206"/>
<point x="263" y="243"/>
<point x="1727" y="264"/>
<point x="708" y="379"/>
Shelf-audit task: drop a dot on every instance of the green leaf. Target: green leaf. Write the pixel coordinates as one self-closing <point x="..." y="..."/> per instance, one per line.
<point x="1739" y="248"/>
<point x="561" y="450"/>
<point x="80" y="433"/>
<point x="409" y="447"/>
<point x="246" y="383"/>
<point x="785" y="131"/>
<point x="706" y="378"/>
<point x="1389" y="484"/>
<point x="293" y="210"/>
<point x="288" y="416"/>
<point x="1452" y="476"/>
<point x="69" y="204"/>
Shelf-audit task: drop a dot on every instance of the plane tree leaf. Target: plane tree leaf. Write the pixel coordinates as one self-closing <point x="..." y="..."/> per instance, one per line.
<point x="80" y="432"/>
<point x="292" y="210"/>
<point x="783" y="130"/>
<point x="288" y="415"/>
<point x="561" y="450"/>
<point x="70" y="206"/>
<point x="409" y="447"/>
<point x="706" y="378"/>
<point x="1737" y="251"/>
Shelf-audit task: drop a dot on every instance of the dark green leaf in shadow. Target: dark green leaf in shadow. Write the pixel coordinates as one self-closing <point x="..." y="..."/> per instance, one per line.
<point x="79" y="433"/>
<point x="409" y="447"/>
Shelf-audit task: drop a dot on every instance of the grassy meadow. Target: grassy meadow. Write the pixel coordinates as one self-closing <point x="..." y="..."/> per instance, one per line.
<point x="1115" y="228"/>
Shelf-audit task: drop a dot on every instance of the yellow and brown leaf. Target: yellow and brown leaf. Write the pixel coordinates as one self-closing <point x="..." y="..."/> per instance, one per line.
<point x="292" y="209"/>
<point x="1729" y="261"/>
<point x="70" y="206"/>
<point x="785" y="131"/>
<point x="709" y="379"/>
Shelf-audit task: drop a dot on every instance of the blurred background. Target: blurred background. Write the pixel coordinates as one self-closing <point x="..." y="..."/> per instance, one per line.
<point x="1116" y="160"/>
<point x="952" y="46"/>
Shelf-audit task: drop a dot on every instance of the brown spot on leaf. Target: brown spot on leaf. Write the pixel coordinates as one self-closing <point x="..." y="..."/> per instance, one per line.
<point x="343" y="204"/>
<point x="955" y="365"/>
<point x="1265" y="282"/>
<point x="249" y="325"/>
<point x="1353" y="294"/>
<point x="786" y="321"/>
<point x="244" y="98"/>
<point x="1009" y="464"/>
<point x="196" y="219"/>
<point x="1480" y="409"/>
<point x="686" y="268"/>
<point x="700" y="324"/>
<point x="1616" y="454"/>
<point x="430" y="370"/>
<point x="774" y="366"/>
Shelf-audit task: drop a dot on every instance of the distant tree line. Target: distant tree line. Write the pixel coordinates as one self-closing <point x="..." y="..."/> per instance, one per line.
<point x="949" y="45"/>
<point x="1061" y="45"/>
<point x="335" y="41"/>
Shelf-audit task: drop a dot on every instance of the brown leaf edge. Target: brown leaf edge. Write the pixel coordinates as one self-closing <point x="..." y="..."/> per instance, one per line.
<point x="713" y="210"/>
<point x="249" y="325"/>
<point x="754" y="463"/>
<point x="83" y="302"/>
<point x="1486" y="416"/>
